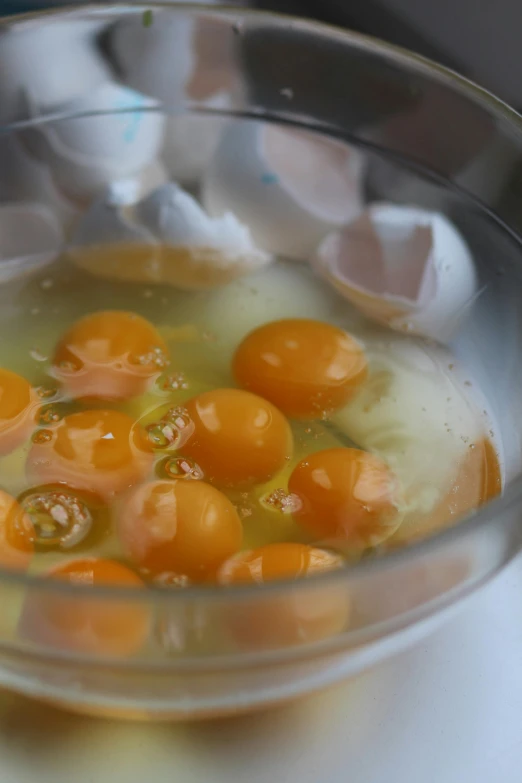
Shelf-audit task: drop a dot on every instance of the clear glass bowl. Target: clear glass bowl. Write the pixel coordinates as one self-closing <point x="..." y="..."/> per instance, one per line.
<point x="429" y="137"/>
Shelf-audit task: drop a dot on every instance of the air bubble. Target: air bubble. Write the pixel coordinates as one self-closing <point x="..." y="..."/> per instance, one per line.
<point x="42" y="436"/>
<point x="171" y="579"/>
<point x="37" y="355"/>
<point x="162" y="435"/>
<point x="46" y="392"/>
<point x="183" y="468"/>
<point x="49" y="415"/>
<point x="280" y="500"/>
<point x="60" y="519"/>
<point x="173" y="382"/>
<point x="287" y="92"/>
<point x="155" y="358"/>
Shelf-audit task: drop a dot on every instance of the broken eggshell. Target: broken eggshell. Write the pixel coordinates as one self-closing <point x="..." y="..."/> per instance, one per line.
<point x="289" y="186"/>
<point x="406" y="268"/>
<point x="110" y="133"/>
<point x="165" y="238"/>
<point x="30" y="238"/>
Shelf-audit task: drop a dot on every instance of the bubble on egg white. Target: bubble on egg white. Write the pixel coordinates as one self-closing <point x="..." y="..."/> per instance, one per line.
<point x="110" y="133"/>
<point x="30" y="238"/>
<point x="413" y="413"/>
<point x="289" y="186"/>
<point x="406" y="268"/>
<point x="55" y="63"/>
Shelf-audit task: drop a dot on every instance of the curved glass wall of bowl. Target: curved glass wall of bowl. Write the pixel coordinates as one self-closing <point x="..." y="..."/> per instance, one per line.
<point x="424" y="137"/>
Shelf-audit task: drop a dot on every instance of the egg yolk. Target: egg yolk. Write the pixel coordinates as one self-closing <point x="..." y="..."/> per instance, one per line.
<point x="348" y="495"/>
<point x="310" y="613"/>
<point x="99" y="451"/>
<point x="112" y="627"/>
<point x="306" y="368"/>
<point x="16" y="535"/>
<point x="237" y="438"/>
<point x="110" y="355"/>
<point x="185" y="528"/>
<point x="277" y="561"/>
<point x="18" y="407"/>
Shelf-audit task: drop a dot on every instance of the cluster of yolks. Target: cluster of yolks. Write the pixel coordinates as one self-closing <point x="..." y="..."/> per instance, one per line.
<point x="108" y="627"/>
<point x="306" y="368"/>
<point x="189" y="529"/>
<point x="110" y="355"/>
<point x="102" y="452"/>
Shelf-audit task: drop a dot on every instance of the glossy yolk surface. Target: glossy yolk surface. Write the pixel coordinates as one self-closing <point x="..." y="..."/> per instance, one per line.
<point x="16" y="535"/>
<point x="277" y="561"/>
<point x="99" y="451"/>
<point x="306" y="368"/>
<point x="238" y="438"/>
<point x="101" y="626"/>
<point x="185" y="528"/>
<point x="310" y="613"/>
<point x="112" y="355"/>
<point x="18" y="407"/>
<point x="346" y="494"/>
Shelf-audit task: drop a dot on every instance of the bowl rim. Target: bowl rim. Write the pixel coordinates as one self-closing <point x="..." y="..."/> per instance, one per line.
<point x="483" y="518"/>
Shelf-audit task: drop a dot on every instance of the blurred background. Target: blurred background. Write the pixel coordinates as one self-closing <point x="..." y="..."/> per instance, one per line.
<point x="479" y="39"/>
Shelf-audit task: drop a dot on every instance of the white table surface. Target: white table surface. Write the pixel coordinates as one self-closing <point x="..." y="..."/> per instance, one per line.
<point x="449" y="711"/>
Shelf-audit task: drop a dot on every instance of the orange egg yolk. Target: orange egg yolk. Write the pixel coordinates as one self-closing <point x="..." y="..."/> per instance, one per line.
<point x="309" y="613"/>
<point x="111" y="627"/>
<point x="16" y="535"/>
<point x="179" y="527"/>
<point x="346" y="494"/>
<point x="306" y="368"/>
<point x="277" y="561"/>
<point x="110" y="355"/>
<point x="18" y="408"/>
<point x="99" y="451"/>
<point x="237" y="438"/>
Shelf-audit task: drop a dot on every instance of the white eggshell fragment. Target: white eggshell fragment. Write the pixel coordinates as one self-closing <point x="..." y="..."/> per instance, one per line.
<point x="118" y="133"/>
<point x="55" y="63"/>
<point x="289" y="186"/>
<point x="197" y="251"/>
<point x="407" y="268"/>
<point x="30" y="238"/>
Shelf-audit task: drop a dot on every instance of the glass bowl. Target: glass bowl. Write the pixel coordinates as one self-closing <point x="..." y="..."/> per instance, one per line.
<point x="427" y="137"/>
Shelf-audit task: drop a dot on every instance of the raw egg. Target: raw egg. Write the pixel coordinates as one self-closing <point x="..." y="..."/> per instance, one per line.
<point x="111" y="355"/>
<point x="289" y="186"/>
<point x="306" y="368"/>
<point x="346" y="495"/>
<point x="238" y="438"/>
<point x="306" y="614"/>
<point x="16" y="535"/>
<point x="100" y="451"/>
<point x="108" y="627"/>
<point x="19" y="404"/>
<point x="183" y="527"/>
<point x="409" y="269"/>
